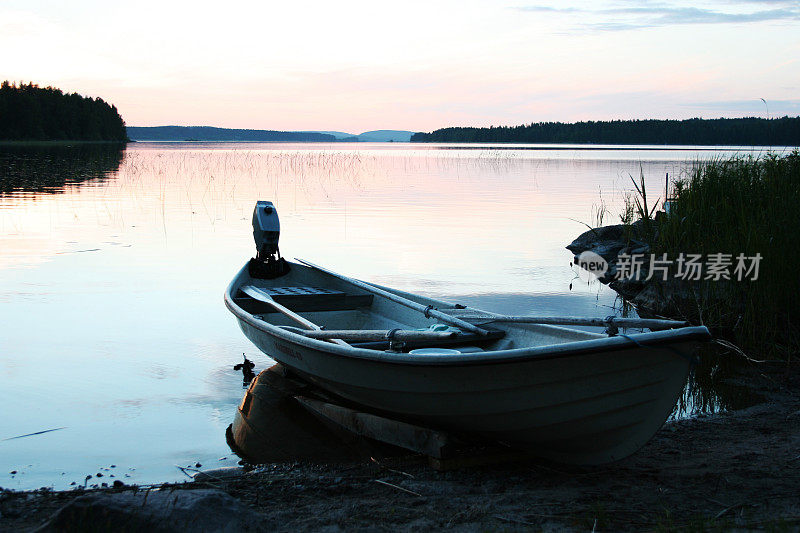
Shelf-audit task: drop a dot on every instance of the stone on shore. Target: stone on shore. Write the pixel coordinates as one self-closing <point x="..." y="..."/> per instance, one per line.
<point x="605" y="241"/>
<point x="155" y="511"/>
<point x="654" y="297"/>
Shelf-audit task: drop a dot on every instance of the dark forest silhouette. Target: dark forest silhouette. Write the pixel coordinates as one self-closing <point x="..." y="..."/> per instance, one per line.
<point x="31" y="113"/>
<point x="722" y="131"/>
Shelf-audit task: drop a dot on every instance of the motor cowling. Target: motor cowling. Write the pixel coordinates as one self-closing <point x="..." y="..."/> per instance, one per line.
<point x="266" y="229"/>
<point x="268" y="263"/>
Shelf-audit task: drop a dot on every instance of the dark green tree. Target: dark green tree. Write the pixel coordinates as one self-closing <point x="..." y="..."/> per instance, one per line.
<point x="722" y="131"/>
<point x="31" y="113"/>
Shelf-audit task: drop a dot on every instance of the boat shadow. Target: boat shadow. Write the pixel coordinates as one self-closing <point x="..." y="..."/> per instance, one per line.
<point x="271" y="426"/>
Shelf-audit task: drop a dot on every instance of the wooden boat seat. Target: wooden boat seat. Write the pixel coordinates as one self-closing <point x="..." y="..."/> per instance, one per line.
<point x="300" y="298"/>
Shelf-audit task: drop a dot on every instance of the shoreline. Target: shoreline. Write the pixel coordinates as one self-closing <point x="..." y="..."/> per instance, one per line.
<point x="499" y="145"/>
<point x="58" y="143"/>
<point x="732" y="469"/>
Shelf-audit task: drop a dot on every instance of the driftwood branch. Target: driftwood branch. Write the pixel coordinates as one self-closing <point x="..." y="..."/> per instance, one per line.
<point x="398" y="487"/>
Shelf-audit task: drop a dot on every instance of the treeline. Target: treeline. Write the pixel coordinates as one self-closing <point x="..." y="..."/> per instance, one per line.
<point x="31" y="113"/>
<point x="209" y="133"/>
<point x="722" y="131"/>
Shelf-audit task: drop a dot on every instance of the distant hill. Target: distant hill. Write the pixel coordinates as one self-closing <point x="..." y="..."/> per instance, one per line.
<point x="340" y="135"/>
<point x="398" y="136"/>
<point x="377" y="136"/>
<point x="696" y="131"/>
<point x="208" y="133"/>
<point x="31" y="113"/>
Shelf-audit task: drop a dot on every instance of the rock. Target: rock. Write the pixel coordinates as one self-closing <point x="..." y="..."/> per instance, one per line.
<point x="156" y="511"/>
<point x="609" y="241"/>
<point x="606" y="241"/>
<point x="654" y="297"/>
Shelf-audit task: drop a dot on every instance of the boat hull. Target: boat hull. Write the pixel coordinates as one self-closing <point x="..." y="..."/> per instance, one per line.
<point x="582" y="402"/>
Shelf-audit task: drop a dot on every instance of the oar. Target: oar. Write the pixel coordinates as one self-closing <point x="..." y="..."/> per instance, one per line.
<point x="258" y="294"/>
<point x="375" y="334"/>
<point x="485" y="318"/>
<point x="427" y="310"/>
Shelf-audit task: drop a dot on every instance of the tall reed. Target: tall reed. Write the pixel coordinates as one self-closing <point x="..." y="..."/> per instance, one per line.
<point x="742" y="205"/>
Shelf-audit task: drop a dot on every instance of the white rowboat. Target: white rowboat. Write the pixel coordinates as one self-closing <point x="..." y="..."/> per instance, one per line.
<point x="565" y="394"/>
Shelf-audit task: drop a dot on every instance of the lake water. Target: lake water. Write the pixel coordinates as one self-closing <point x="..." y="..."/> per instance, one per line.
<point x="113" y="262"/>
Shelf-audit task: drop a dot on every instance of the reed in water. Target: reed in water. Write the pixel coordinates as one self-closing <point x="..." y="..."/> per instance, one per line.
<point x="741" y="205"/>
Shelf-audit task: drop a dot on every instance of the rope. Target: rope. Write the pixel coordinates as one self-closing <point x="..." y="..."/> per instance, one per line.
<point x="394" y="345"/>
<point x="611" y="328"/>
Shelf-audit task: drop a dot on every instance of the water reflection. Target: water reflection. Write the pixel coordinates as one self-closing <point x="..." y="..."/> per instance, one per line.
<point x="49" y="168"/>
<point x="111" y="294"/>
<point x="715" y="384"/>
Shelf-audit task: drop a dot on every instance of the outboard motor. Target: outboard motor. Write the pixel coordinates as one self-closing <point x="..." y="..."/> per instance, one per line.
<point x="268" y="263"/>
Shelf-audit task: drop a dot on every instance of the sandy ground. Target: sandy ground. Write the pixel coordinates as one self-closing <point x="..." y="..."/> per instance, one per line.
<point x="736" y="470"/>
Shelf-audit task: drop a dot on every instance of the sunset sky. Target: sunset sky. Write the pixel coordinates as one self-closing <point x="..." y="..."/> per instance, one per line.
<point x="358" y="66"/>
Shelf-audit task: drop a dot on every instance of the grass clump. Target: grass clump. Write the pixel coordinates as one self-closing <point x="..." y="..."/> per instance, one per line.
<point x="746" y="206"/>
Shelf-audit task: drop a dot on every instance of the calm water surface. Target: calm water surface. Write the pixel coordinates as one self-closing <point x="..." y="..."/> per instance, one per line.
<point x="113" y="262"/>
